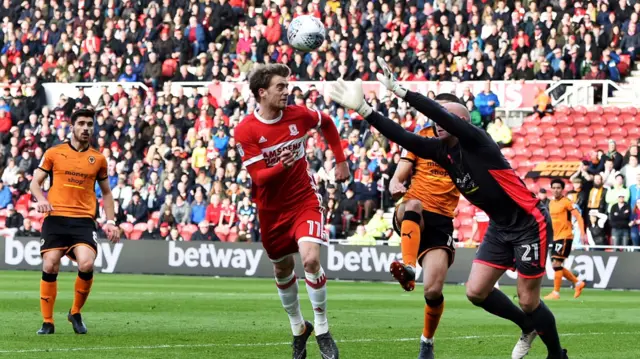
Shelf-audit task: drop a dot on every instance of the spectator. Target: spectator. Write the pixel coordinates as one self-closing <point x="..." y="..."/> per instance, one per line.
<point x="181" y="210"/>
<point x="5" y="196"/>
<point x="543" y="103"/>
<point x="378" y="226"/>
<point x="619" y="216"/>
<point x="631" y="171"/>
<point x="226" y="229"/>
<point x="165" y="228"/>
<point x="500" y="133"/>
<point x="367" y="193"/>
<point x="609" y="173"/>
<point x="205" y="233"/>
<point x="618" y="189"/>
<point x="198" y="208"/>
<point x="634" y="224"/>
<point x="542" y="196"/>
<point x="27" y="230"/>
<point x="151" y="232"/>
<point x="15" y="219"/>
<point x="614" y="155"/>
<point x="137" y="211"/>
<point x="486" y="102"/>
<point x="596" y="227"/>
<point x="361" y="238"/>
<point x="174" y="235"/>
<point x="597" y="196"/>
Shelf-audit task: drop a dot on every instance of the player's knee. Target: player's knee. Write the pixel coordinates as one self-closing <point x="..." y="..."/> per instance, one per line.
<point x="85" y="265"/>
<point x="557" y="268"/>
<point x="433" y="291"/>
<point x="311" y="265"/>
<point x="413" y="205"/>
<point x="50" y="267"/>
<point x="528" y="303"/>
<point x="475" y="295"/>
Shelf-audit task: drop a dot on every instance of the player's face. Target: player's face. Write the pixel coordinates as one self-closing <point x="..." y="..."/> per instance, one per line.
<point x="556" y="189"/>
<point x="276" y="95"/>
<point x="83" y="129"/>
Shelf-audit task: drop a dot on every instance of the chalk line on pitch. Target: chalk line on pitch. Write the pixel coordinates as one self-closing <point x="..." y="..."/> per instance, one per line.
<point x="246" y="345"/>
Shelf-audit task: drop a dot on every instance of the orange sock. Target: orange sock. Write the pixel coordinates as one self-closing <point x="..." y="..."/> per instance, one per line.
<point x="431" y="319"/>
<point x="48" y="292"/>
<point x="557" y="281"/>
<point x="567" y="274"/>
<point x="410" y="231"/>
<point x="82" y="289"/>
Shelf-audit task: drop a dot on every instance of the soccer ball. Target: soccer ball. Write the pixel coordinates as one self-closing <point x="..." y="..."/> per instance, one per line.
<point x="306" y="33"/>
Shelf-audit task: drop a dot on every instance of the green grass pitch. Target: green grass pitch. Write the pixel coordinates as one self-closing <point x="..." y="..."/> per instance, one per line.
<point x="134" y="316"/>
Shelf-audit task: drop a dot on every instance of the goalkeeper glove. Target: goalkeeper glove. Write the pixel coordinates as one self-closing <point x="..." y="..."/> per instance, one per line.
<point x="389" y="80"/>
<point x="349" y="95"/>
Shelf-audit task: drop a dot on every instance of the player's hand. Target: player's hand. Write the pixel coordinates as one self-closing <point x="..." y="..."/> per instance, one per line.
<point x="585" y="240"/>
<point x="112" y="232"/>
<point x="397" y="189"/>
<point x="389" y="80"/>
<point x="44" y="206"/>
<point x="349" y="95"/>
<point x="287" y="159"/>
<point x="342" y="172"/>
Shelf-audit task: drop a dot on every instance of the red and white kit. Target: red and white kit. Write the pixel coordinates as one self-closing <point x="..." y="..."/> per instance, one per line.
<point x="289" y="206"/>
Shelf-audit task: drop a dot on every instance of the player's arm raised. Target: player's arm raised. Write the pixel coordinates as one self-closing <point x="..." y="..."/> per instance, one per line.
<point x="350" y="96"/>
<point x="462" y="129"/>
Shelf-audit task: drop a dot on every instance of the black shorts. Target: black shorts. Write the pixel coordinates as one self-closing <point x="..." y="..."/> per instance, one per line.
<point x="561" y="249"/>
<point x="436" y="234"/>
<point x="66" y="233"/>
<point x="522" y="247"/>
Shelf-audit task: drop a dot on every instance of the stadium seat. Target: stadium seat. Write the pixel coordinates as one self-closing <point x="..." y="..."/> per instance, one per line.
<point x="188" y="231"/>
<point x="579" y="121"/>
<point x="531" y="118"/>
<point x="466" y="222"/>
<point x="611" y="120"/>
<point x="522" y="153"/>
<point x="520" y="141"/>
<point x="614" y="110"/>
<point x="550" y="132"/>
<point x="563" y="120"/>
<point x="631" y="110"/>
<point x="584" y="134"/>
<point x="573" y="154"/>
<point x="579" y="109"/>
<point x="36" y="225"/>
<point x="627" y="119"/>
<point x="539" y="154"/>
<point x="3" y="221"/>
<point x="563" y="109"/>
<point x="633" y="130"/>
<point x="557" y="154"/>
<point x="548" y="120"/>
<point x="508" y="153"/>
<point x="536" y="141"/>
<point x="567" y="132"/>
<point x="135" y="234"/>
<point x="127" y="228"/>
<point x="533" y="131"/>
<point x="456" y="223"/>
<point x="570" y="141"/>
<point x="600" y="130"/>
<point x="140" y="227"/>
<point x="466" y="211"/>
<point x="533" y="187"/>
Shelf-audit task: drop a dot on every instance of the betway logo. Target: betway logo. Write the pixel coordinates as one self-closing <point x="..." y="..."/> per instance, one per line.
<point x="368" y="259"/>
<point x="587" y="267"/>
<point x="15" y="252"/>
<point x="271" y="154"/>
<point x="207" y="256"/>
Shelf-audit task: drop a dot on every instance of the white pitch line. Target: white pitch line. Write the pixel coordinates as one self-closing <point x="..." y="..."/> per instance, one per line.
<point x="210" y="345"/>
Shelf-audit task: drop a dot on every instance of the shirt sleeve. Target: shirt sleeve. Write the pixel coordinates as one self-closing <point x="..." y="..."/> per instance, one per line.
<point x="409" y="156"/>
<point x="46" y="164"/>
<point x="247" y="148"/>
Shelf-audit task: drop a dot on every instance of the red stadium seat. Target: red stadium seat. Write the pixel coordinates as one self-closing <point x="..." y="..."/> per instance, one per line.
<point x="574" y="154"/>
<point x="36" y="225"/>
<point x="632" y="130"/>
<point x="614" y="110"/>
<point x="3" y="221"/>
<point x="548" y="120"/>
<point x="520" y="141"/>
<point x="570" y="141"/>
<point x="584" y="134"/>
<point x="522" y="152"/>
<point x="550" y="132"/>
<point x="627" y="119"/>
<point x="534" y="131"/>
<point x="567" y="132"/>
<point x="539" y="154"/>
<point x="508" y="152"/>
<point x="456" y="223"/>
<point x="579" y="109"/>
<point x="563" y="120"/>
<point x="514" y="163"/>
<point x="563" y="109"/>
<point x="600" y="130"/>
<point x="596" y="109"/>
<point x="611" y="120"/>
<point x="135" y="235"/>
<point x="140" y="227"/>
<point x="557" y="154"/>
<point x="632" y="110"/>
<point x="536" y="141"/>
<point x="466" y="222"/>
<point x="531" y="118"/>
<point x="190" y="228"/>
<point x="465" y="211"/>
<point x="127" y="228"/>
<point x="581" y="121"/>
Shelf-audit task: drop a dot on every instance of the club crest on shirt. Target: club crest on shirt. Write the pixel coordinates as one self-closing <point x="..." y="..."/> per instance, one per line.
<point x="240" y="150"/>
<point x="293" y="130"/>
<point x="92" y="159"/>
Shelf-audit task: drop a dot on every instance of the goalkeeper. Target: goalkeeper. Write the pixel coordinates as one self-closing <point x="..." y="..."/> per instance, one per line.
<point x="520" y="227"/>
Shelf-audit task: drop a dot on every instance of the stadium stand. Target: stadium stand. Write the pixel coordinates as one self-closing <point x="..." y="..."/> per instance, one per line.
<point x="175" y="151"/>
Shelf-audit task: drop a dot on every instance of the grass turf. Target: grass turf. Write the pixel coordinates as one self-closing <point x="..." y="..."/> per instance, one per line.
<point x="193" y="317"/>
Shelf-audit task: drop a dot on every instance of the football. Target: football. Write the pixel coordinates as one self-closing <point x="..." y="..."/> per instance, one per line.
<point x="306" y="33"/>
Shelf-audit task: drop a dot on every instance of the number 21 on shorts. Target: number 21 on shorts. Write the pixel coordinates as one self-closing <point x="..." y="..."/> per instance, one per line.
<point x="315" y="228"/>
<point x="529" y="251"/>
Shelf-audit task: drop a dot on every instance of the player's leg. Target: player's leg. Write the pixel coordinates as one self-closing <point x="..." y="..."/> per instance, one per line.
<point x="530" y="260"/>
<point x="493" y="258"/>
<point x="410" y="229"/>
<point x="49" y="288"/>
<point x="435" y="264"/>
<point x="309" y="231"/>
<point x="560" y="251"/>
<point x="85" y="256"/>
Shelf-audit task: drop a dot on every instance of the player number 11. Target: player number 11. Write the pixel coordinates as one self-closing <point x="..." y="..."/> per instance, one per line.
<point x="318" y="228"/>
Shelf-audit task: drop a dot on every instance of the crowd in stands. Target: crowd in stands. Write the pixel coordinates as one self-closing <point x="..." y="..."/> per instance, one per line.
<point x="173" y="167"/>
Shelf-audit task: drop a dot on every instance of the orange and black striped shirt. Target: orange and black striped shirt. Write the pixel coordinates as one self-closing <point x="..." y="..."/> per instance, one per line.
<point x="73" y="175"/>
